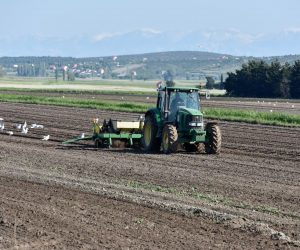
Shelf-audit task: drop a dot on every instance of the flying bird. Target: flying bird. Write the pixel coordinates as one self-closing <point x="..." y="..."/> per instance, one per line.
<point x="46" y="138"/>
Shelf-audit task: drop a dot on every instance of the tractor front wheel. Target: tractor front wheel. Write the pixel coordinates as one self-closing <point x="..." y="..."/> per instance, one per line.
<point x="169" y="139"/>
<point x="149" y="141"/>
<point x="213" y="144"/>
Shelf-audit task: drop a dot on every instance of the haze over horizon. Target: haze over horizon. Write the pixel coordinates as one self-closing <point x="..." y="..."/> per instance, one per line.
<point x="94" y="28"/>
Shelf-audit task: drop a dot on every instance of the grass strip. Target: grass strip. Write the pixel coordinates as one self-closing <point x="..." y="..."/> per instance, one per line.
<point x="250" y="116"/>
<point x="77" y="91"/>
<point x="270" y="118"/>
<point x="193" y="193"/>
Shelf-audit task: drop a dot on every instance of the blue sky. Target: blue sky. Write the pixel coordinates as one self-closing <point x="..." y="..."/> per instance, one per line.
<point x="97" y="20"/>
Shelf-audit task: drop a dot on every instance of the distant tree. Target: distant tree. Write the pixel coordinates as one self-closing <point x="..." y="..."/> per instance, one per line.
<point x="221" y="82"/>
<point x="168" y="75"/>
<point x="170" y="83"/>
<point x="2" y="72"/>
<point x="71" y="76"/>
<point x="187" y="76"/>
<point x="210" y="82"/>
<point x="64" y="75"/>
<point x="56" y="74"/>
<point x="295" y="80"/>
<point x="222" y="79"/>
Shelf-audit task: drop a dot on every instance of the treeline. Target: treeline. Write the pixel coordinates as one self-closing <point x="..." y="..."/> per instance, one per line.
<point x="32" y="70"/>
<point x="260" y="79"/>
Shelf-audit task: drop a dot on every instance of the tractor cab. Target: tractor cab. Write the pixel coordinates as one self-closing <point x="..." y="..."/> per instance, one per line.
<point x="171" y="100"/>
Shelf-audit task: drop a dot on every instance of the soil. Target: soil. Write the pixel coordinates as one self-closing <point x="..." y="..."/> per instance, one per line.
<point x="76" y="196"/>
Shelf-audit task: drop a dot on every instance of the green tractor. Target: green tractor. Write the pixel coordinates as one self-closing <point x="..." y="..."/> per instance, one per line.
<point x="177" y="121"/>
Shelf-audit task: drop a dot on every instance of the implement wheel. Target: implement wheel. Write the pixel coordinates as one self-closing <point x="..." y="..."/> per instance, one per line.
<point x="213" y="145"/>
<point x="149" y="141"/>
<point x="169" y="139"/>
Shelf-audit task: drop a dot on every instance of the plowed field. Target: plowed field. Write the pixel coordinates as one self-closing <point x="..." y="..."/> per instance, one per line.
<point x="55" y="196"/>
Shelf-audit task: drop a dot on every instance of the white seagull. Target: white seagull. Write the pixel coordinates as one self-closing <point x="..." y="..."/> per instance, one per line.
<point x="19" y="126"/>
<point x="36" y="126"/>
<point x="24" y="130"/>
<point x="10" y="132"/>
<point x="46" y="138"/>
<point x="1" y="124"/>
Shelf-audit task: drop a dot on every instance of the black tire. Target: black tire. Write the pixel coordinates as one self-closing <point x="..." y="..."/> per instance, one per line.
<point x="213" y="132"/>
<point x="169" y="139"/>
<point x="196" y="147"/>
<point x="150" y="142"/>
<point x="98" y="143"/>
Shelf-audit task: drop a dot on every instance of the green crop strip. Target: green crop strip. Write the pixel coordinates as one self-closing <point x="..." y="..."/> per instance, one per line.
<point x="270" y="118"/>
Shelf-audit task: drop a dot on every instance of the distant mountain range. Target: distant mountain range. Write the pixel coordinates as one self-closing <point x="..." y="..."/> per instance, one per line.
<point x="229" y="41"/>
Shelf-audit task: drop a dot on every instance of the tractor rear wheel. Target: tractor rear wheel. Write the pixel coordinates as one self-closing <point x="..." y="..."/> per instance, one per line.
<point x="196" y="147"/>
<point x="169" y="139"/>
<point x="213" y="145"/>
<point x="149" y="141"/>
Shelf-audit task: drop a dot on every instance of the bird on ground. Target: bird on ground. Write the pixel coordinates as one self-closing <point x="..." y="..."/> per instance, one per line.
<point x="24" y="130"/>
<point x="82" y="136"/>
<point x="18" y="126"/>
<point x="1" y="124"/>
<point x="36" y="126"/>
<point x="10" y="132"/>
<point x="46" y="138"/>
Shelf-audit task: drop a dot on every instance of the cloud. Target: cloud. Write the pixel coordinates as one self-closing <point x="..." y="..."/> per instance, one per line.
<point x="293" y="30"/>
<point x="105" y="36"/>
<point x="151" y="31"/>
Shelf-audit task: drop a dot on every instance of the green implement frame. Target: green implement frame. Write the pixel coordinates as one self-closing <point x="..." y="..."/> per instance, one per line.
<point x="107" y="136"/>
<point x="78" y="138"/>
<point x="110" y="136"/>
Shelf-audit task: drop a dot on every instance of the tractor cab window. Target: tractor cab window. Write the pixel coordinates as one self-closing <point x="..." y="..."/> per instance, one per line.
<point x="193" y="100"/>
<point x="182" y="99"/>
